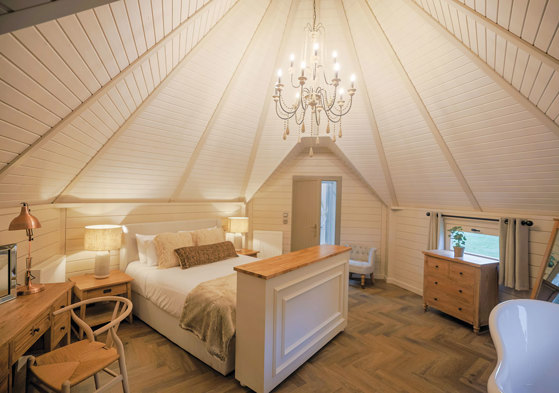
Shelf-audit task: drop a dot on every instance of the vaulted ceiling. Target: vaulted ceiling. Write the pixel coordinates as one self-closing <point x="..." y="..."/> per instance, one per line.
<point x="170" y="100"/>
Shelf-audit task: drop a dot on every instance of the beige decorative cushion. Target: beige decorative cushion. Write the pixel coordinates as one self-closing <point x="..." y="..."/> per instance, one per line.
<point x="208" y="236"/>
<point x="166" y="244"/>
<point x="201" y="255"/>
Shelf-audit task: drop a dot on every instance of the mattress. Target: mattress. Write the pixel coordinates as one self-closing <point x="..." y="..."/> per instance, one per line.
<point x="167" y="288"/>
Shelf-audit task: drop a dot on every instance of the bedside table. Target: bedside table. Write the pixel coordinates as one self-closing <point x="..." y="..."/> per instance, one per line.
<point x="87" y="287"/>
<point x="247" y="252"/>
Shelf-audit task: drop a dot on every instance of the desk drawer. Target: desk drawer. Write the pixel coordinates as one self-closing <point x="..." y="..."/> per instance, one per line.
<point x="436" y="266"/>
<point x="30" y="334"/>
<point x="107" y="291"/>
<point x="61" y="302"/>
<point x="463" y="275"/>
<point x="60" y="327"/>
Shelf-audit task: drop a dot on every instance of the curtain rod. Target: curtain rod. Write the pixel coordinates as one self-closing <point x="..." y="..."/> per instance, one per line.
<point x="523" y="222"/>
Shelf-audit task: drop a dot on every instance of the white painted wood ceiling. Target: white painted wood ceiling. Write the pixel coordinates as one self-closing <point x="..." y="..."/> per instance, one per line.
<point x="170" y="100"/>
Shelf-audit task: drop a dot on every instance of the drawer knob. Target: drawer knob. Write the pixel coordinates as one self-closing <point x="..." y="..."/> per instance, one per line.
<point x="461" y="273"/>
<point x="436" y="299"/>
<point x="436" y="283"/>
<point x="108" y="290"/>
<point x="459" y="308"/>
<point x="62" y="328"/>
<point x="436" y="266"/>
<point x="460" y="290"/>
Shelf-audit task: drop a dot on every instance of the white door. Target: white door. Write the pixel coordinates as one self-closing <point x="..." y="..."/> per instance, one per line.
<point x="305" y="223"/>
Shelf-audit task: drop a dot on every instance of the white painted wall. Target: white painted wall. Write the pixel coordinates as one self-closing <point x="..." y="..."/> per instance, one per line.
<point x="363" y="216"/>
<point x="408" y="238"/>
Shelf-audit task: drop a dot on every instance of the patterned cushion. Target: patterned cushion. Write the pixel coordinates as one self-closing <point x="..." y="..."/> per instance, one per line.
<point x="201" y="255"/>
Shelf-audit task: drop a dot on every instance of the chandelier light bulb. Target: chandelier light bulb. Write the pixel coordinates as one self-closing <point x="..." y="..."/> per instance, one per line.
<point x="315" y="49"/>
<point x="291" y="59"/>
<point x="279" y="75"/>
<point x="335" y="55"/>
<point x="337" y="69"/>
<point x="303" y="66"/>
<point x="342" y="91"/>
<point x="352" y="79"/>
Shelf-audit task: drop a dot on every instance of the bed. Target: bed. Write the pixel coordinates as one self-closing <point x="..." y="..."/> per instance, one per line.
<point x="158" y="294"/>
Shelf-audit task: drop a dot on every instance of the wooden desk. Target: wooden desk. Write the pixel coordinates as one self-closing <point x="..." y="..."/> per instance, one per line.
<point x="288" y="307"/>
<point x="26" y="319"/>
<point x="88" y="287"/>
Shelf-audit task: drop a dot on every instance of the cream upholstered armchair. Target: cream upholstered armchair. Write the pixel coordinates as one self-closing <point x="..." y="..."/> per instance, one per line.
<point x="362" y="261"/>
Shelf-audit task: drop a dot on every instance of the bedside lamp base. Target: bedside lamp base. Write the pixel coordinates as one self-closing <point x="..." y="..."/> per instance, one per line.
<point x="102" y="265"/>
<point x="29" y="288"/>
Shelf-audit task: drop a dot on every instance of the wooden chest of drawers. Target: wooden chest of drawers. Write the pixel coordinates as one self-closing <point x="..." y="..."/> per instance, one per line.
<point x="466" y="288"/>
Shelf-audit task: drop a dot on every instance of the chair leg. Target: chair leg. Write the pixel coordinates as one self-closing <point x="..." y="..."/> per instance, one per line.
<point x="30" y="361"/>
<point x="66" y="387"/>
<point x="362" y="281"/>
<point x="124" y="373"/>
<point x="372" y="278"/>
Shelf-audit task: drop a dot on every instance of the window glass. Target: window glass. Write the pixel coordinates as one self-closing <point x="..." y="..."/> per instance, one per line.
<point x="482" y="237"/>
<point x="328" y="212"/>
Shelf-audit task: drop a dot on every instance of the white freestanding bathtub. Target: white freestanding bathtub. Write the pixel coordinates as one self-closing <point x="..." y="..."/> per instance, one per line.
<point x="526" y="336"/>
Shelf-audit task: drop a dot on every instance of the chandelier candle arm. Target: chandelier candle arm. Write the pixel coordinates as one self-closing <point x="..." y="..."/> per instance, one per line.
<point x="317" y="92"/>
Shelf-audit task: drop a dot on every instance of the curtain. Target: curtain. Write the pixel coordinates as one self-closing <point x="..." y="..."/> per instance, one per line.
<point x="435" y="240"/>
<point x="513" y="254"/>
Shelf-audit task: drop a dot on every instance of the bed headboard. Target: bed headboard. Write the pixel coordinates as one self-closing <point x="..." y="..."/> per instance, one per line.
<point x="129" y="251"/>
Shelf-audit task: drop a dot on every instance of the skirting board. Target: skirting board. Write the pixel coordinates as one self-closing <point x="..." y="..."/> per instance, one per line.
<point x="404" y="285"/>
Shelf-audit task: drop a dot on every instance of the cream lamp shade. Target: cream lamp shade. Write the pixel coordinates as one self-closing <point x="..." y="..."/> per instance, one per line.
<point x="237" y="224"/>
<point x="102" y="238"/>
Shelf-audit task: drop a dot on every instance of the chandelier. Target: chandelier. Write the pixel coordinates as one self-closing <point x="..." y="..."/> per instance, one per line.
<point x="316" y="99"/>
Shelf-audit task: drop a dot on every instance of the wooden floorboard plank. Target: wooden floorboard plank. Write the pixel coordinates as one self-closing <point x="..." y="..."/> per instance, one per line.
<point x="390" y="345"/>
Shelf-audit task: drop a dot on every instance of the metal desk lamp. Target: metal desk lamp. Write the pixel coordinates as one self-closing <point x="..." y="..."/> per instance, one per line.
<point x="28" y="222"/>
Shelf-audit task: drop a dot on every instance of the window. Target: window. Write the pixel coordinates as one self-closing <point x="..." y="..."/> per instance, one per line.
<point x="328" y="212"/>
<point x="482" y="237"/>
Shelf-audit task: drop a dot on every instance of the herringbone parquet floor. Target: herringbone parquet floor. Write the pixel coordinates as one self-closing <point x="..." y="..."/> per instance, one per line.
<point x="390" y="345"/>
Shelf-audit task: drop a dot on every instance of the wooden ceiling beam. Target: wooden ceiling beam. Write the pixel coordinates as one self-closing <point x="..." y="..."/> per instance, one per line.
<point x="372" y="118"/>
<point x="494" y="75"/>
<point x="62" y="124"/>
<point x="265" y="110"/>
<point x="509" y="36"/>
<point x="110" y="142"/>
<point x="209" y="125"/>
<point x="414" y="94"/>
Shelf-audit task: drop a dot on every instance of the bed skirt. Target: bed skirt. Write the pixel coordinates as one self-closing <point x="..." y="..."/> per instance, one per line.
<point x="168" y="326"/>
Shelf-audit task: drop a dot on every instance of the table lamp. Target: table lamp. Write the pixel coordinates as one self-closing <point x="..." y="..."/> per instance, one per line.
<point x="102" y="238"/>
<point x="28" y="222"/>
<point x="238" y="226"/>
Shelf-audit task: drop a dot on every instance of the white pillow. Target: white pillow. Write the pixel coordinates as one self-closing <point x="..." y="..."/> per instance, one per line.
<point x="146" y="249"/>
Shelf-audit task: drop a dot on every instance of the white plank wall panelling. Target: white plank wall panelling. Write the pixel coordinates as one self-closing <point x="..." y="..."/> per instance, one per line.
<point x="48" y="240"/>
<point x="52" y="166"/>
<point x="412" y="152"/>
<point x="505" y="153"/>
<point x="77" y="217"/>
<point x="150" y="154"/>
<point x="408" y="238"/>
<point x="362" y="214"/>
<point x="220" y="167"/>
<point x="535" y="22"/>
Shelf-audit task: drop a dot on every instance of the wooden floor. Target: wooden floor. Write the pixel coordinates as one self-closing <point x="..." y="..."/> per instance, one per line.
<point x="390" y="345"/>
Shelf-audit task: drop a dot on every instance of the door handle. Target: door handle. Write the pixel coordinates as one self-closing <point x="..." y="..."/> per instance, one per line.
<point x="314" y="229"/>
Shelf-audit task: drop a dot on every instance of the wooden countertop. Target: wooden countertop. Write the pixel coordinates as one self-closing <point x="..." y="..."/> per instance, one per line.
<point x="276" y="266"/>
<point x="16" y="314"/>
<point x="468" y="259"/>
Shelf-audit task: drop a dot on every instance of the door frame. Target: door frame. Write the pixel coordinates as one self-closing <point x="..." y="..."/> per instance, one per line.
<point x="338" y="180"/>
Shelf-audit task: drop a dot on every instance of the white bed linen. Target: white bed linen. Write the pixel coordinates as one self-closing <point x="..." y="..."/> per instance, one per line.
<point x="167" y="288"/>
